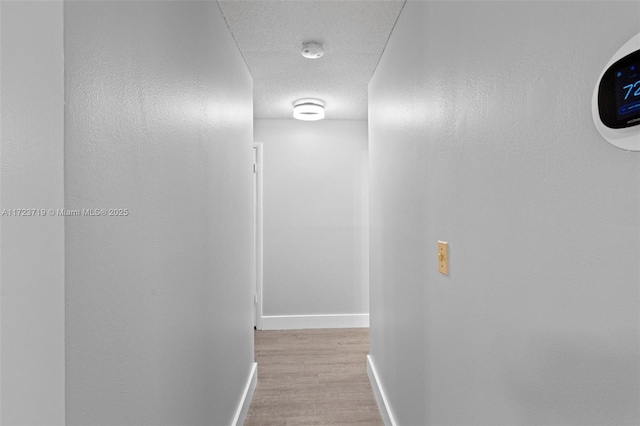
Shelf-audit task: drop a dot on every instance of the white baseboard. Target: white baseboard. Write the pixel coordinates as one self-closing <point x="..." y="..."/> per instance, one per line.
<point x="297" y="322"/>
<point x="247" y="395"/>
<point x="381" y="398"/>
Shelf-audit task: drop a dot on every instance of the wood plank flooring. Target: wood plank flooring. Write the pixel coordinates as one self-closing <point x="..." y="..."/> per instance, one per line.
<point x="313" y="377"/>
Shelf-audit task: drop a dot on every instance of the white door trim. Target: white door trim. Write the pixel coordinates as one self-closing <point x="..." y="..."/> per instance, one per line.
<point x="258" y="233"/>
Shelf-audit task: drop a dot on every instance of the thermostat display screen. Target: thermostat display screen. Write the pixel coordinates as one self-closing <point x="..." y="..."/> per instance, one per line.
<point x="619" y="93"/>
<point x="628" y="90"/>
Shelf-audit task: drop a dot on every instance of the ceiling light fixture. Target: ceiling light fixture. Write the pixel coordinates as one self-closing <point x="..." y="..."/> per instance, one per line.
<point x="308" y="109"/>
<point x="312" y="50"/>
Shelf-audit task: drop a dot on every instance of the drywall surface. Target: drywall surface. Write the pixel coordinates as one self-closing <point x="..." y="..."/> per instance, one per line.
<point x="32" y="261"/>
<point x="481" y="135"/>
<point x="159" y="299"/>
<point x="315" y="216"/>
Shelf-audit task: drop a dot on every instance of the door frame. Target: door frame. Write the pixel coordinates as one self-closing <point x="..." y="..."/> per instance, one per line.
<point x="258" y="233"/>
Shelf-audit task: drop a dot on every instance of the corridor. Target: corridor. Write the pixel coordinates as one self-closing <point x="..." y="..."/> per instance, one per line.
<point x="175" y="173"/>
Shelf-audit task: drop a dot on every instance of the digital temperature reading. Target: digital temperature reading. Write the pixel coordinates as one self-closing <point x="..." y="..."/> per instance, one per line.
<point x="619" y="93"/>
<point x="628" y="90"/>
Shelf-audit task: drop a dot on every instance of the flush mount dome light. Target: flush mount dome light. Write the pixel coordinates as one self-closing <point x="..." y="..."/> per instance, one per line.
<point x="308" y="109"/>
<point x="312" y="50"/>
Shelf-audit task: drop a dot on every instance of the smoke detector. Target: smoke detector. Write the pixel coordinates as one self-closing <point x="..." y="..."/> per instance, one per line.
<point x="312" y="50"/>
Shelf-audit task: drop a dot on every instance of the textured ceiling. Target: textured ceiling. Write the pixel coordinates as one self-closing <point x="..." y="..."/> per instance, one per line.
<point x="270" y="36"/>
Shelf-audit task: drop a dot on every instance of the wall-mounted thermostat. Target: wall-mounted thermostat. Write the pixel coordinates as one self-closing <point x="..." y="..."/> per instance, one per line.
<point x="616" y="99"/>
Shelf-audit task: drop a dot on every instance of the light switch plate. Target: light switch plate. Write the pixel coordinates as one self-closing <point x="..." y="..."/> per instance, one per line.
<point x="443" y="257"/>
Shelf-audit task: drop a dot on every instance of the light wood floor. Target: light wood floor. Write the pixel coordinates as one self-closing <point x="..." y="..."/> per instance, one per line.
<point x="313" y="377"/>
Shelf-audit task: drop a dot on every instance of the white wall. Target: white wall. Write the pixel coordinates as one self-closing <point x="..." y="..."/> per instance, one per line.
<point x="315" y="216"/>
<point x="32" y="259"/>
<point x="481" y="135"/>
<point x="159" y="303"/>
